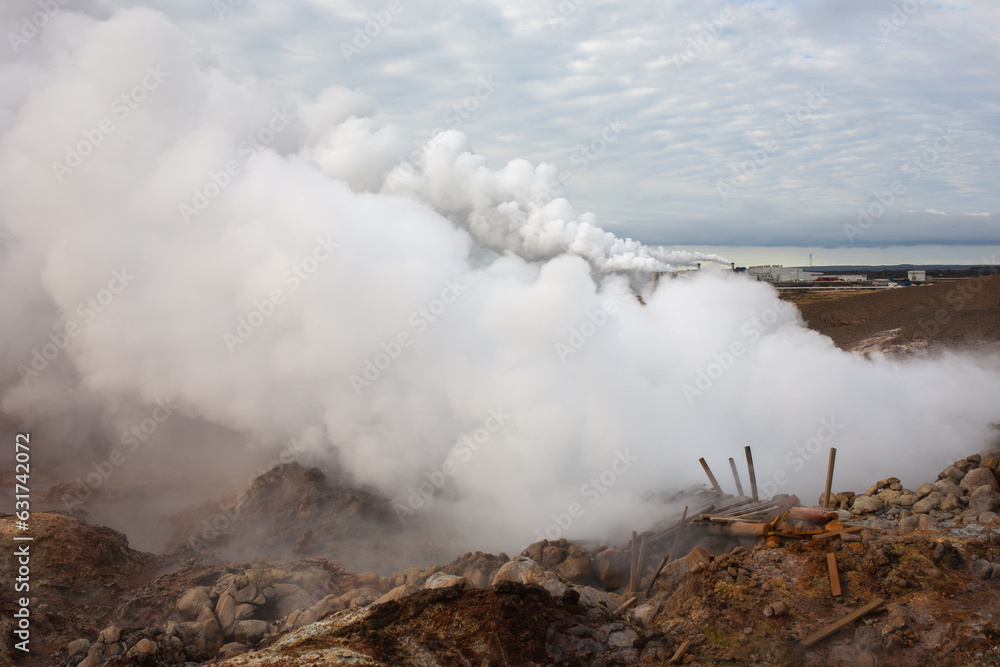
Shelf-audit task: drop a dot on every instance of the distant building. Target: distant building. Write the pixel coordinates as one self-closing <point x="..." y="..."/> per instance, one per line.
<point x="843" y="278"/>
<point x="775" y="273"/>
<point x="916" y="276"/>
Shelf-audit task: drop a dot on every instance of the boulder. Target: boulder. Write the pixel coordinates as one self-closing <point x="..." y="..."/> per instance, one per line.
<point x="577" y="570"/>
<point x="674" y="572"/>
<point x="612" y="568"/>
<point x="927" y="522"/>
<point x="232" y="649"/>
<point x="145" y="647"/>
<point x="77" y="647"/>
<point x="110" y="634"/>
<point x="951" y="503"/>
<point x="925" y="490"/>
<point x="225" y="610"/>
<point x="905" y="499"/>
<point x="514" y="569"/>
<point x="245" y="611"/>
<point x="865" y="504"/>
<point x="194" y="600"/>
<point x="398" y="593"/>
<point x="250" y="632"/>
<point x="979" y="477"/>
<point x="910" y="523"/>
<point x="947" y="486"/>
<point x="887" y="496"/>
<point x="984" y="499"/>
<point x="953" y="473"/>
<point x="928" y="504"/>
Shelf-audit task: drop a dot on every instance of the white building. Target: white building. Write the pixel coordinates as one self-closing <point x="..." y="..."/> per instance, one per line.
<point x="775" y="273"/>
<point x="916" y="276"/>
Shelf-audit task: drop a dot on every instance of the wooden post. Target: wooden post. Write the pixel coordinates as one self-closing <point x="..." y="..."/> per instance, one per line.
<point x="681" y="650"/>
<point x="753" y="477"/>
<point x="736" y="476"/>
<point x="640" y="566"/>
<point x="711" y="477"/>
<point x="680" y="529"/>
<point x="831" y="563"/>
<point x="634" y="561"/>
<point x="827" y="500"/>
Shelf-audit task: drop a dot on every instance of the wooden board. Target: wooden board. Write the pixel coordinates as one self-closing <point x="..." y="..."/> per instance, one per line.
<point x="681" y="650"/>
<point x="823" y="633"/>
<point x="831" y="563"/>
<point x="827" y="535"/>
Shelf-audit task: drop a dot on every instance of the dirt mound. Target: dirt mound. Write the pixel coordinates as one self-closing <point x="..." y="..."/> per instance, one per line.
<point x="78" y="573"/>
<point x="962" y="313"/>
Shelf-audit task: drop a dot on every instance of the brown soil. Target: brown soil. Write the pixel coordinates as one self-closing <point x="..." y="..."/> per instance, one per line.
<point x="960" y="313"/>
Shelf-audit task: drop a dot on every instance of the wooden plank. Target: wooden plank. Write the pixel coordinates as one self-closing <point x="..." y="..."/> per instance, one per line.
<point x="681" y="650"/>
<point x="826" y="535"/>
<point x="827" y="500"/>
<point x="624" y="607"/>
<point x="656" y="575"/>
<point x="831" y="563"/>
<point x="711" y="477"/>
<point x="736" y="476"/>
<point x="783" y="506"/>
<point x="823" y="633"/>
<point x="680" y="529"/>
<point x="640" y="567"/>
<point x="753" y="477"/>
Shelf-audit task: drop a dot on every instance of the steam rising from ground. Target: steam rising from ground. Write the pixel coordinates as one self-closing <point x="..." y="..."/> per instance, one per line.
<point x="274" y="270"/>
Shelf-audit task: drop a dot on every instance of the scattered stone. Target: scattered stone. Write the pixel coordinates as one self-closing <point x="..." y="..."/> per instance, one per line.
<point x="905" y="499"/>
<point x="612" y="568"/>
<point x="776" y="609"/>
<point x="145" y="646"/>
<point x="250" y="632"/>
<point x="866" y="504"/>
<point x="928" y="504"/>
<point x="979" y="477"/>
<point x="110" y="634"/>
<point x="953" y="473"/>
<point x="77" y="647"/>
<point x="910" y="523"/>
<point x="925" y="490"/>
<point x="927" y="522"/>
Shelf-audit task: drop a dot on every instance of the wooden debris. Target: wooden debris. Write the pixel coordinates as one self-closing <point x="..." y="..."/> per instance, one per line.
<point x="753" y="477"/>
<point x="681" y="650"/>
<point x="736" y="476"/>
<point x="823" y="633"/>
<point x="656" y="575"/>
<point x="828" y="501"/>
<point x="632" y="584"/>
<point x="677" y="539"/>
<point x="783" y="507"/>
<point x="826" y="535"/>
<point x="640" y="567"/>
<point x="711" y="477"/>
<point x="831" y="563"/>
<point x="812" y="515"/>
<point x="625" y="606"/>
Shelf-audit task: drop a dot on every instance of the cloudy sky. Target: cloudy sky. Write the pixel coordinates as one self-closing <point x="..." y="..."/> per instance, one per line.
<point x="729" y="126"/>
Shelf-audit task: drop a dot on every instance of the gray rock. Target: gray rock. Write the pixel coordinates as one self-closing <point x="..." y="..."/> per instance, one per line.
<point x="905" y="499"/>
<point x="979" y="477"/>
<point x="953" y="473"/>
<point x="964" y="465"/>
<point x="250" y="632"/>
<point x="910" y="523"/>
<point x="984" y="499"/>
<point x="444" y="580"/>
<point x="888" y="496"/>
<point x="225" y="611"/>
<point x="577" y="570"/>
<point x="947" y="486"/>
<point x="245" y="611"/>
<point x="398" y="593"/>
<point x="514" y="570"/>
<point x="622" y="638"/>
<point x="232" y="649"/>
<point x="928" y="504"/>
<point x="951" y="503"/>
<point x="612" y="568"/>
<point x="980" y="568"/>
<point x="865" y="504"/>
<point x="925" y="490"/>
<point x="988" y="517"/>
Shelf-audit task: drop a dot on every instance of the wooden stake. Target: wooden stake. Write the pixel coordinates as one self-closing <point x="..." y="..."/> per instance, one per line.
<point x="753" y="477"/>
<point x="831" y="563"/>
<point x="681" y="650"/>
<point x="656" y="575"/>
<point x="823" y="633"/>
<point x="827" y="500"/>
<point x="634" y="561"/>
<point x="680" y="529"/>
<point x="640" y="566"/>
<point x="628" y="603"/>
<point x="736" y="476"/>
<point x="711" y="477"/>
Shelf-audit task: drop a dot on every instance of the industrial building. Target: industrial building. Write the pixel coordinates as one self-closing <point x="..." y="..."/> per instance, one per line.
<point x="776" y="273"/>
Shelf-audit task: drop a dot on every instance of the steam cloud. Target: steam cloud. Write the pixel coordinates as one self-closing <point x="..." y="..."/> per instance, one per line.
<point x="274" y="269"/>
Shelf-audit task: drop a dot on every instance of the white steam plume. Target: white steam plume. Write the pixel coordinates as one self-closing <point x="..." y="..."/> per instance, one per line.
<point x="200" y="254"/>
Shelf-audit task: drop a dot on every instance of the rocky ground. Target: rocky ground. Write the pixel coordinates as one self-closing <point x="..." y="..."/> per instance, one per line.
<point x="932" y="553"/>
<point x="955" y="313"/>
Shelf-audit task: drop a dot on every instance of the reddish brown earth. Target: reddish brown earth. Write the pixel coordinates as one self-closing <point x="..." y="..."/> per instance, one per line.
<point x="960" y="313"/>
